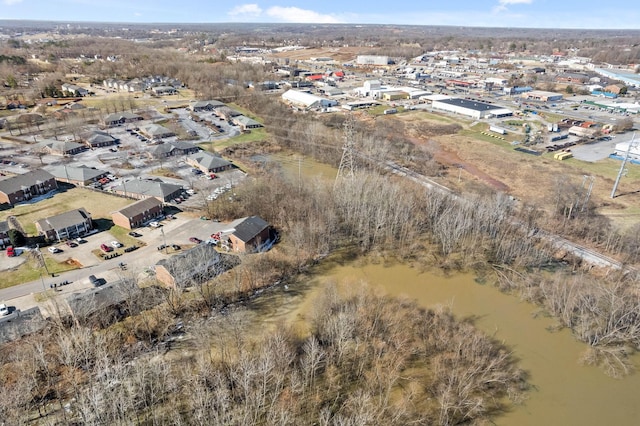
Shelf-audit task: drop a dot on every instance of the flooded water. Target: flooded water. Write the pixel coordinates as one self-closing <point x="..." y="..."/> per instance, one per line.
<point x="563" y="392"/>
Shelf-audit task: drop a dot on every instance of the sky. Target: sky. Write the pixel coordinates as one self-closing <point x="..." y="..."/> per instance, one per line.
<point x="608" y="14"/>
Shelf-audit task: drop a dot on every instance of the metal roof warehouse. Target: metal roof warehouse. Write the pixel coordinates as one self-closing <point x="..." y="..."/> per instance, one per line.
<point x="473" y="109"/>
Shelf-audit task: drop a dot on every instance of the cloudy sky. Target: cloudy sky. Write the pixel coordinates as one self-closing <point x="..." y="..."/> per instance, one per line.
<point x="610" y="14"/>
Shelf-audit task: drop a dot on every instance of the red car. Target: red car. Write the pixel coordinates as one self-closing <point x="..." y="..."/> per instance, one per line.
<point x="105" y="248"/>
<point x="195" y="240"/>
<point x="10" y="251"/>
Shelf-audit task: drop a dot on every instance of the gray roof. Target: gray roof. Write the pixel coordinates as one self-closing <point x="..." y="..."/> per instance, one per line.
<point x="140" y="207"/>
<point x="16" y="183"/>
<point x="198" y="264"/>
<point x="121" y="116"/>
<point x="149" y="188"/>
<point x="208" y="160"/>
<point x="4" y="227"/>
<point x="246" y="121"/>
<point x="466" y="103"/>
<point x="61" y="146"/>
<point x="247" y="228"/>
<point x="156" y="130"/>
<point x="64" y="220"/>
<point x="205" y="104"/>
<point x="165" y="148"/>
<point x="97" y="136"/>
<point x="77" y="173"/>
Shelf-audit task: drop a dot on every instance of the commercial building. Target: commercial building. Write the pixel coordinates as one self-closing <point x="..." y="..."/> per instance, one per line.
<point x="541" y="95"/>
<point x="372" y="60"/>
<point x="307" y="100"/>
<point x="71" y="224"/>
<point x="471" y="108"/>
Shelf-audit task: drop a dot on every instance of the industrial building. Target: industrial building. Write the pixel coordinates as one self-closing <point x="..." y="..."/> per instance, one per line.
<point x="541" y="95"/>
<point x="470" y="108"/>
<point x="307" y="100"/>
<point x="633" y="149"/>
<point x="372" y="60"/>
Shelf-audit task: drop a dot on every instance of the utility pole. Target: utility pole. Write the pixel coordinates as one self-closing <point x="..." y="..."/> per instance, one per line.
<point x="347" y="163"/>
<point x="622" y="166"/>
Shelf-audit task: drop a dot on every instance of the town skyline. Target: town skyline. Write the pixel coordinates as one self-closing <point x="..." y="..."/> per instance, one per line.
<point x="615" y="14"/>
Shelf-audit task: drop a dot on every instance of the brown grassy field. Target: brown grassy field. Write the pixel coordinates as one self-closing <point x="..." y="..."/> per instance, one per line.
<point x="100" y="205"/>
<point x="495" y="163"/>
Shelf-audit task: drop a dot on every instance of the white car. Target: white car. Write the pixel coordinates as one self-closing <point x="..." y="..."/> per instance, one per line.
<point x="115" y="244"/>
<point x="53" y="249"/>
<point x="154" y="224"/>
<point x="4" y="310"/>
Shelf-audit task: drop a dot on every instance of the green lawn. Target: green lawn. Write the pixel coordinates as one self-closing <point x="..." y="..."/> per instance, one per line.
<point x="31" y="271"/>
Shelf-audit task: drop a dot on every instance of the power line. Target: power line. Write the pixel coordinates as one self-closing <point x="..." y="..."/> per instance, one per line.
<point x="347" y="163"/>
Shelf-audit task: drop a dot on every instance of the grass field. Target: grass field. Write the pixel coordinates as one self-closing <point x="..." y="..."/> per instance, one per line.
<point x="100" y="205"/>
<point x="31" y="270"/>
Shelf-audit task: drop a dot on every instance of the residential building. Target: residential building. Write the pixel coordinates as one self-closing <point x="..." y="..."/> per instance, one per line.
<point x="97" y="139"/>
<point x="164" y="90"/>
<point x="194" y="266"/>
<point x="209" y="105"/>
<point x="156" y="131"/>
<point x="74" y="90"/>
<point x="71" y="224"/>
<point x="26" y="186"/>
<point x="208" y="162"/>
<point x="64" y="148"/>
<point x="173" y="148"/>
<point x="77" y="175"/>
<point x="245" y="123"/>
<point x="226" y="113"/>
<point x="147" y="188"/>
<point x="119" y="118"/>
<point x="138" y="214"/>
<point x="249" y="234"/>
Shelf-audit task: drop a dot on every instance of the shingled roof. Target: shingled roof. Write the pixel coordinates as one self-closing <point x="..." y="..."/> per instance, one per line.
<point x="16" y="183"/>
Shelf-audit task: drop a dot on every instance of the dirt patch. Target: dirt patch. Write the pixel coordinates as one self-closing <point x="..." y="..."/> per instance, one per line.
<point x="73" y="262"/>
<point x="452" y="159"/>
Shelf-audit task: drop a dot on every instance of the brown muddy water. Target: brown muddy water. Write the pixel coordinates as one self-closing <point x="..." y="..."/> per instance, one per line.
<point x="563" y="392"/>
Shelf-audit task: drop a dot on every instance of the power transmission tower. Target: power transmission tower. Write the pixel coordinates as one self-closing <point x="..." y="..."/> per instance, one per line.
<point x="622" y="166"/>
<point x="347" y="166"/>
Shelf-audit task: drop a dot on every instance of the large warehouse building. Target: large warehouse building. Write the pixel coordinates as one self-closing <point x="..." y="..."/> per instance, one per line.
<point x="307" y="100"/>
<point x="372" y="60"/>
<point x="470" y="108"/>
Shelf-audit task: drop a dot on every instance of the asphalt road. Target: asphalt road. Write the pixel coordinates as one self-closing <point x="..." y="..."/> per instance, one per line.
<point x="177" y="231"/>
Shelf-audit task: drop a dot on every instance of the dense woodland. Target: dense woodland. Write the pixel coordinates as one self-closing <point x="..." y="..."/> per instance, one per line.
<point x="365" y="358"/>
